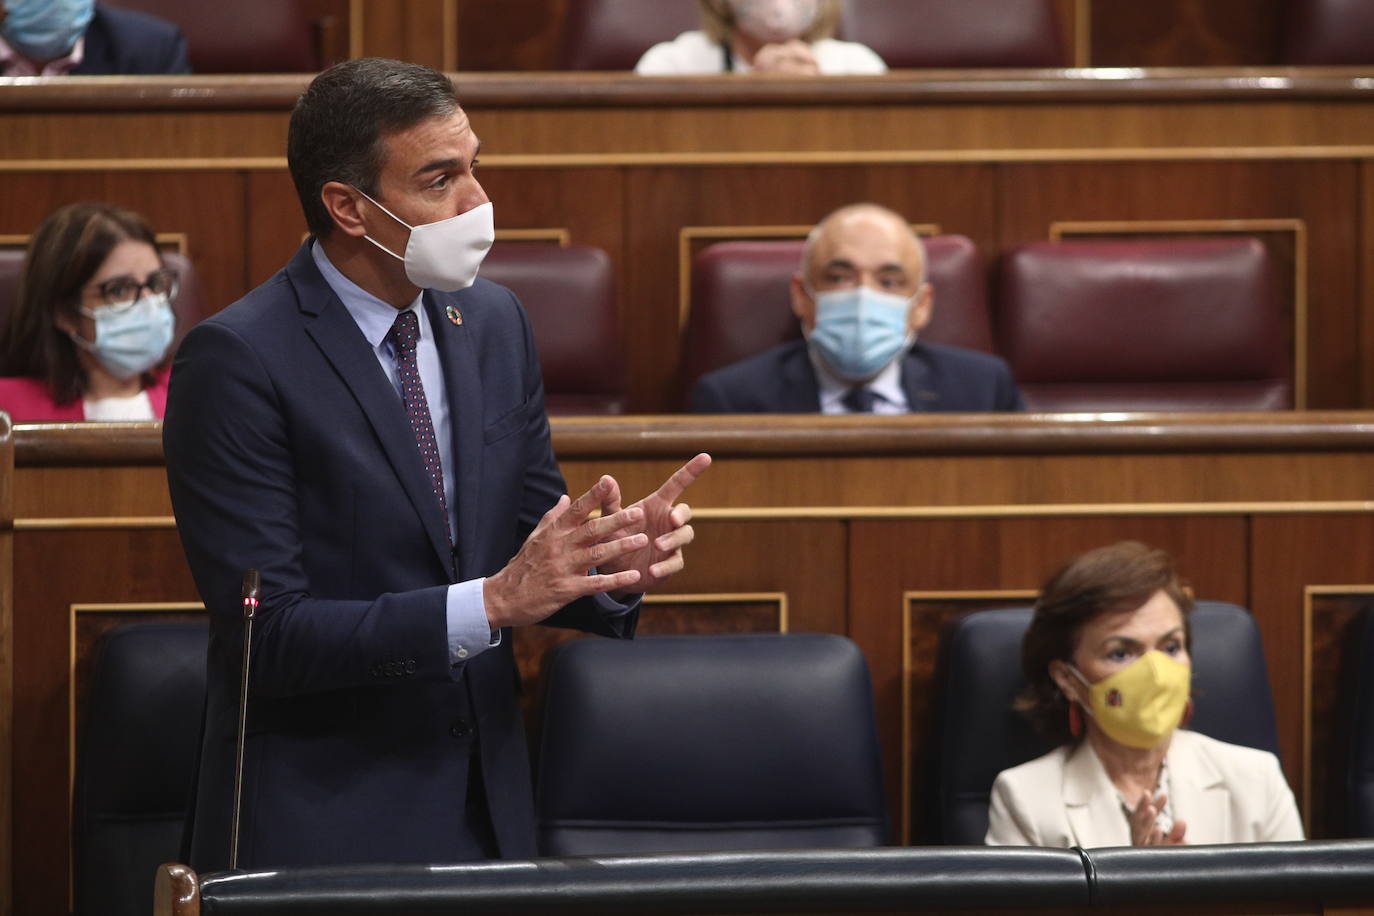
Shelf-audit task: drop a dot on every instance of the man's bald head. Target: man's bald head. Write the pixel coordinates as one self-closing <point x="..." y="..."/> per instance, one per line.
<point x="863" y="224"/>
<point x="863" y="245"/>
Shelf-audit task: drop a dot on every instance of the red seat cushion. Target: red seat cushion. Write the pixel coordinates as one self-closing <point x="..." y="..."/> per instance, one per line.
<point x="569" y="294"/>
<point x="1182" y="324"/>
<point x="614" y="34"/>
<point x="957" y="33"/>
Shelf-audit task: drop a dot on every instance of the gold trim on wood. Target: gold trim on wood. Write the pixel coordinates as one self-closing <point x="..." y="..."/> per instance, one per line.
<point x="909" y="600"/>
<point x="689" y="234"/>
<point x="95" y="523"/>
<point x="830" y="513"/>
<point x="768" y="157"/>
<point x="174" y="241"/>
<point x="355" y="28"/>
<point x="171" y="164"/>
<point x="1082" y="33"/>
<point x="1060" y="229"/>
<point x="779" y="598"/>
<point x="1308" y="593"/>
<point x="560" y="234"/>
<point x="1051" y="510"/>
<point x="450" y="36"/>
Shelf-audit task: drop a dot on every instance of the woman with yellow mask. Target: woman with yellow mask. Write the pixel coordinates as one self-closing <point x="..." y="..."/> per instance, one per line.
<point x="1106" y="657"/>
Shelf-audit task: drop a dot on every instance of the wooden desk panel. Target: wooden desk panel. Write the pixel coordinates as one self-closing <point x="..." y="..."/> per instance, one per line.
<point x="880" y="528"/>
<point x="627" y="164"/>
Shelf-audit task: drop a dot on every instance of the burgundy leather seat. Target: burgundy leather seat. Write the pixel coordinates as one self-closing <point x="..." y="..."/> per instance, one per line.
<point x="190" y="305"/>
<point x="1183" y="324"/>
<point x="613" y="34"/>
<point x="569" y="293"/>
<point x="957" y="33"/>
<point x="240" y="36"/>
<point x="1328" y="33"/>
<point x="741" y="300"/>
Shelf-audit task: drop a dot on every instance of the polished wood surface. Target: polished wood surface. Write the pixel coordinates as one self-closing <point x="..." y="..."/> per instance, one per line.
<point x="634" y="166"/>
<point x="6" y="663"/>
<point x="878" y="528"/>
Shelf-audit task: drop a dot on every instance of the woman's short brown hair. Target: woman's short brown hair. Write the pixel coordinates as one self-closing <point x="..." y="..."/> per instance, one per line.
<point x="1108" y="580"/>
<point x="718" y="20"/>
<point x="65" y="252"/>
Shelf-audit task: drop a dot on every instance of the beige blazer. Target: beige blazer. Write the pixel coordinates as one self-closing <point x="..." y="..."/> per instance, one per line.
<point x="1226" y="793"/>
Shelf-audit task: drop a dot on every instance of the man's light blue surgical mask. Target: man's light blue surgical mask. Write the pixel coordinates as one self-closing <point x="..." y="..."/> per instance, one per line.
<point x="131" y="337"/>
<point x="860" y="330"/>
<point x="44" y="30"/>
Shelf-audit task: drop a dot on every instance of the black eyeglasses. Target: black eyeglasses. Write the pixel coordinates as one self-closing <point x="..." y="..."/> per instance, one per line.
<point x="117" y="290"/>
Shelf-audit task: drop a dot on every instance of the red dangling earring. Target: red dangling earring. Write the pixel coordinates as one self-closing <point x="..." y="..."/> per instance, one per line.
<point x="1075" y="720"/>
<point x="1187" y="714"/>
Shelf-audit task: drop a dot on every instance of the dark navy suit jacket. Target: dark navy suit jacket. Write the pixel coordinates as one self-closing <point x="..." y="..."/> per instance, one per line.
<point x="289" y="451"/>
<point x="935" y="377"/>
<point x="128" y="43"/>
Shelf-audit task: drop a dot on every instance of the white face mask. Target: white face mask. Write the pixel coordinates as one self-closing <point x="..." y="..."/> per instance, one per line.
<point x="774" y="21"/>
<point x="445" y="255"/>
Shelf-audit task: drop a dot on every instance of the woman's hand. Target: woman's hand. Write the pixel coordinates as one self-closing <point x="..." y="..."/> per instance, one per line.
<point x="1144" y="830"/>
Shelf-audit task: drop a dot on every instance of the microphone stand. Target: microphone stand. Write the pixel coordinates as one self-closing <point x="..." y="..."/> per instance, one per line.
<point x="252" y="586"/>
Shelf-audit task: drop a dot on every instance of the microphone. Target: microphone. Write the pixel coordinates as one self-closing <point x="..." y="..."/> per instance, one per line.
<point x="252" y="586"/>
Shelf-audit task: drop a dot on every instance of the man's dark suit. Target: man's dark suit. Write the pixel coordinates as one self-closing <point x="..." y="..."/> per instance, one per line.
<point x="935" y="378"/>
<point x="288" y="451"/>
<point x="128" y="43"/>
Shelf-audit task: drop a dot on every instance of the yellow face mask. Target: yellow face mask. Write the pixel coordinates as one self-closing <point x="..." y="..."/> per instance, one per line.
<point x="1140" y="704"/>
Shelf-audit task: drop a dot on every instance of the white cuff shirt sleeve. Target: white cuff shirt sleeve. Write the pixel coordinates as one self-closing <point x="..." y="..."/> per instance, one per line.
<point x="468" y="630"/>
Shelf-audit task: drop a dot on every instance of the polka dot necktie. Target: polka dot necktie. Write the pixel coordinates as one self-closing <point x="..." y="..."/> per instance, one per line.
<point x="404" y="334"/>
<point x="859" y="399"/>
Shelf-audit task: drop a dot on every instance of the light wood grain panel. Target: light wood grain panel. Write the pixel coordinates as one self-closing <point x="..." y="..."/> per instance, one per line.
<point x="1323" y="196"/>
<point x="1287" y="557"/>
<point x="207" y="208"/>
<point x="61" y="569"/>
<point x="7" y="693"/>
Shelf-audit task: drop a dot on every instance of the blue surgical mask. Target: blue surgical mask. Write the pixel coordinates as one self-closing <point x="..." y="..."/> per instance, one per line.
<point x="130" y="337"/>
<point x="44" y="30"/>
<point x="860" y="330"/>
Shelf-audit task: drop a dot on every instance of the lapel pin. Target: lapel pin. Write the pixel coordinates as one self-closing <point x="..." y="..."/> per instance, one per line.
<point x="454" y="315"/>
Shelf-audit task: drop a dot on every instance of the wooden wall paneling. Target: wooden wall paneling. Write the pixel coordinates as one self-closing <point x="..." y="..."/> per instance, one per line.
<point x="511" y="35"/>
<point x="1324" y="195"/>
<point x="206" y="206"/>
<point x="420" y="31"/>
<point x="54" y="571"/>
<point x="662" y="200"/>
<point x="6" y="666"/>
<point x="1323" y="564"/>
<point x="1329" y="651"/>
<point x="891" y="558"/>
<point x="1185" y="33"/>
<point x="1366" y="284"/>
<point x="275" y="226"/>
<point x="333" y="28"/>
<point x="130" y="134"/>
<point x="586" y="204"/>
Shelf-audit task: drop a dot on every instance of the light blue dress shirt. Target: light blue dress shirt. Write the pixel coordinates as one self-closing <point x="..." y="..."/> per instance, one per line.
<point x="469" y="632"/>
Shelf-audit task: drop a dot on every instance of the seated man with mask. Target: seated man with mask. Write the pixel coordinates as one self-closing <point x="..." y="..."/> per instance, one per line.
<point x="82" y="38"/>
<point x="861" y="297"/>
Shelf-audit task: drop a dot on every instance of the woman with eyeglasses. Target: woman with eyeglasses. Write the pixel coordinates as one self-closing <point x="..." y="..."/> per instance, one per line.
<point x="89" y="334"/>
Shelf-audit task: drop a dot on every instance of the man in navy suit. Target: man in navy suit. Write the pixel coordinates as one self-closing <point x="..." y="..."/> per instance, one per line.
<point x="378" y="449"/>
<point x="861" y="298"/>
<point x="81" y="38"/>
